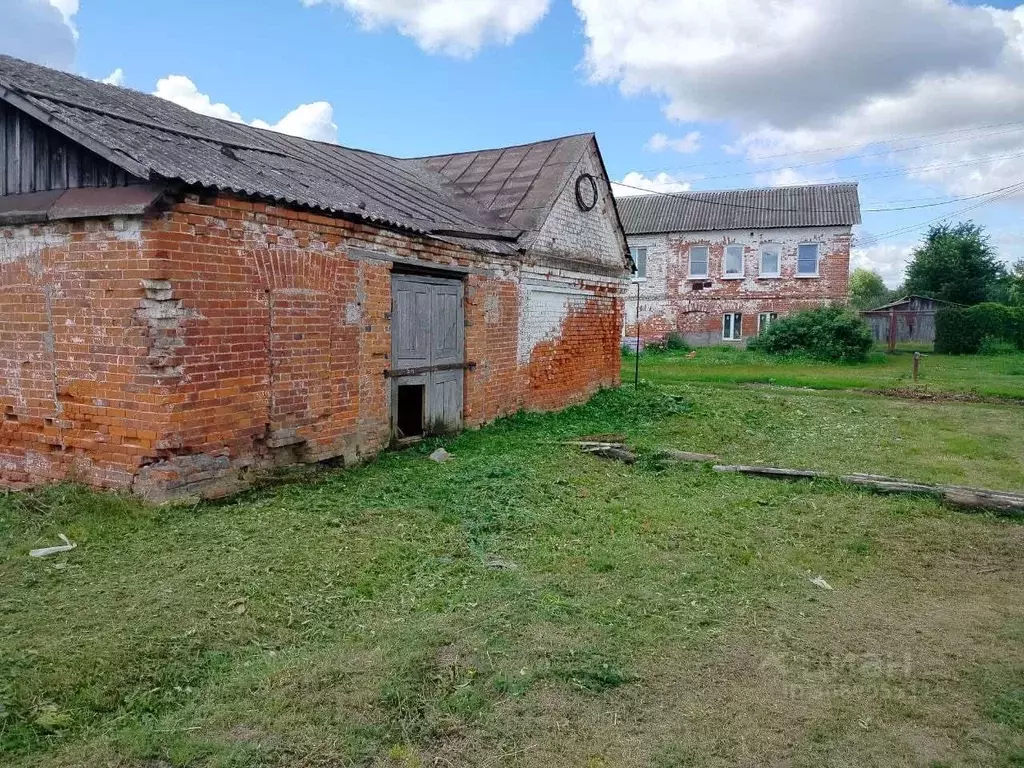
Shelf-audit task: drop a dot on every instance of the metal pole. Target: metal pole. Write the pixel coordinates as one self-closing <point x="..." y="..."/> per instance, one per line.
<point x="636" y="374"/>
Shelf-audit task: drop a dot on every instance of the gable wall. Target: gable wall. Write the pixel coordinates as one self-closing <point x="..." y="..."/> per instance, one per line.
<point x="35" y="158"/>
<point x="590" y="236"/>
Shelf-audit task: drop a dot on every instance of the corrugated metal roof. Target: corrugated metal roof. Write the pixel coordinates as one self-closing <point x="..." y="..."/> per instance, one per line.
<point x="818" y="205"/>
<point x="156" y="138"/>
<point x="518" y="184"/>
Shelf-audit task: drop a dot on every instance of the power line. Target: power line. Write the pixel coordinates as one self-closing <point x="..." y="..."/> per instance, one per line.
<point x="693" y="197"/>
<point x="1003" y="194"/>
<point x="823" y="150"/>
<point x="835" y="178"/>
<point x="757" y="171"/>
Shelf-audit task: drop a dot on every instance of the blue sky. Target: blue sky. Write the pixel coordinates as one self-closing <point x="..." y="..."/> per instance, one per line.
<point x="683" y="94"/>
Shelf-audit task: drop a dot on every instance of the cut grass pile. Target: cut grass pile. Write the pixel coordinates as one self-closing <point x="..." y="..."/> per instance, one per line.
<point x="989" y="376"/>
<point x="524" y="604"/>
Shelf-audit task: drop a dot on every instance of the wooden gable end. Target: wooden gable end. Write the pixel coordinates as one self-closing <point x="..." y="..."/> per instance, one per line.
<point x="35" y="158"/>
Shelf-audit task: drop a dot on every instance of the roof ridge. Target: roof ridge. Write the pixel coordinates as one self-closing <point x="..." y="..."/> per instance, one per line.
<point x="109" y="87"/>
<point x="587" y="134"/>
<point x="689" y="192"/>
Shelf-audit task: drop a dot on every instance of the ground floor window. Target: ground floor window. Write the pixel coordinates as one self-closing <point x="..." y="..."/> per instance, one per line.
<point x="732" y="326"/>
<point x="764" y="319"/>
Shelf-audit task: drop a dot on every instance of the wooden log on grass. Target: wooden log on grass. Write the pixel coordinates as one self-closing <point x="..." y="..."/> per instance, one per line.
<point x="992" y="501"/>
<point x="671" y="454"/>
<point x="779" y="472"/>
<point x="1003" y="502"/>
<point x="613" y="452"/>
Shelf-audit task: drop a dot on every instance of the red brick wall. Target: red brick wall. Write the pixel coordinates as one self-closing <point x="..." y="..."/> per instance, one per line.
<point x="172" y="354"/>
<point x="671" y="302"/>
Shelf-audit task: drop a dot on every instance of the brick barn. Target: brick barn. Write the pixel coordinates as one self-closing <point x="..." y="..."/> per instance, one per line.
<point x="718" y="267"/>
<point x="184" y="300"/>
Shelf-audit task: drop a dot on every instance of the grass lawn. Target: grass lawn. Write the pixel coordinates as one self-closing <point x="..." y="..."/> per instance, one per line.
<point x="526" y="605"/>
<point x="990" y="376"/>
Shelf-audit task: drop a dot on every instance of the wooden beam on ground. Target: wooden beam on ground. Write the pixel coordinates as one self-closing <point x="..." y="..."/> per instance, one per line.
<point x="673" y="455"/>
<point x="799" y="474"/>
<point x="1002" y="502"/>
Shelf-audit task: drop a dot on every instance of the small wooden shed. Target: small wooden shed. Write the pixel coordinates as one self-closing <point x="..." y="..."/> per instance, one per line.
<point x="910" y="319"/>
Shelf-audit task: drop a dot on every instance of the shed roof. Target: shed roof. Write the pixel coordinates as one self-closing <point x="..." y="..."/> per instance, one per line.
<point x="907" y="300"/>
<point x="817" y="205"/>
<point x="154" y="139"/>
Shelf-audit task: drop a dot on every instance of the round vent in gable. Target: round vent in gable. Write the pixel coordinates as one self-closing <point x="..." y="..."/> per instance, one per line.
<point x="586" y="192"/>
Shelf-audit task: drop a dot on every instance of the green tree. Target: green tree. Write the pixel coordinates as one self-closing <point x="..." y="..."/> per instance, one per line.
<point x="867" y="290"/>
<point x="955" y="263"/>
<point x="1016" y="281"/>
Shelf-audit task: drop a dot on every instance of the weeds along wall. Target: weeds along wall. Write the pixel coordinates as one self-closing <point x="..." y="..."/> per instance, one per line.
<point x="173" y="354"/>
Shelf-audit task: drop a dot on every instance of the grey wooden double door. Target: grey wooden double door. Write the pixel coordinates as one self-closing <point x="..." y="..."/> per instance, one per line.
<point x="428" y="348"/>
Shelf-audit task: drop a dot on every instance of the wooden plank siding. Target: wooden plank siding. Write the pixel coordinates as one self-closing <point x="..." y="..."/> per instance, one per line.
<point x="35" y="158"/>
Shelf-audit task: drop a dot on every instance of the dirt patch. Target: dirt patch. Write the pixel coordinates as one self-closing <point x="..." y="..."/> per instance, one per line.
<point x="900" y="393"/>
<point x="910" y="393"/>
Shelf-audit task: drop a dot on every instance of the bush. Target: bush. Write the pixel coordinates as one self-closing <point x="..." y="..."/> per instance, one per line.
<point x="675" y="342"/>
<point x="969" y="330"/>
<point x="833" y="334"/>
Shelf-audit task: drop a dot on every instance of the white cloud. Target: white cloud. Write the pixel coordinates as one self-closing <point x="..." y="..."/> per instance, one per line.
<point x="887" y="259"/>
<point x="310" y="121"/>
<point x="802" y="75"/>
<point x="40" y="30"/>
<point x="182" y="91"/>
<point x="785" y="177"/>
<point x="114" y="78"/>
<point x="454" y="27"/>
<point x="687" y="145"/>
<point x="635" y="183"/>
<point x="68" y="9"/>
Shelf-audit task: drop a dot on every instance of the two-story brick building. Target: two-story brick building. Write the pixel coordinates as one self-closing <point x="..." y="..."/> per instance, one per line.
<point x="184" y="299"/>
<point x="717" y="267"/>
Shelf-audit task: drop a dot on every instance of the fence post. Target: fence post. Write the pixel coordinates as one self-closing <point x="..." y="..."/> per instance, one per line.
<point x="917" y="364"/>
<point x="636" y="372"/>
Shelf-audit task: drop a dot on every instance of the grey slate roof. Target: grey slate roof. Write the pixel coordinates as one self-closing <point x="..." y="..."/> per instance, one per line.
<point x="914" y="298"/>
<point x="818" y="205"/>
<point x="518" y="184"/>
<point x="156" y="139"/>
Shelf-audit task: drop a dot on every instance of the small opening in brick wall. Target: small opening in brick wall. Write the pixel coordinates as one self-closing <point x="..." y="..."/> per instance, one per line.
<point x="409" y="419"/>
<point x="48" y="422"/>
<point x="10" y="416"/>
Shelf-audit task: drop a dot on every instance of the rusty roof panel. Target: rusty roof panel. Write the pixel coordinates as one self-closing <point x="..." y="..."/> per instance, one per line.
<point x="520" y="184"/>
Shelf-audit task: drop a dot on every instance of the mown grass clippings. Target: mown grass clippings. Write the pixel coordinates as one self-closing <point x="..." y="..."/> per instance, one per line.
<point x="653" y="613"/>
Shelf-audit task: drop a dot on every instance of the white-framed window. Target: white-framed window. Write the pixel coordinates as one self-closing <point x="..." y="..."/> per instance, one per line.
<point x="764" y="319"/>
<point x="771" y="260"/>
<point x="640" y="259"/>
<point x="733" y="261"/>
<point x="807" y="255"/>
<point x="732" y="326"/>
<point x="698" y="261"/>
